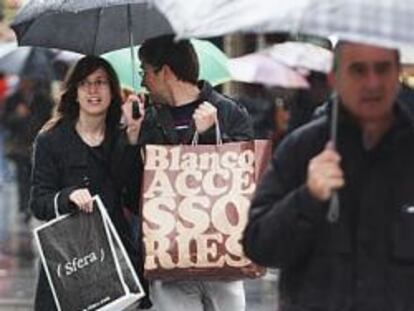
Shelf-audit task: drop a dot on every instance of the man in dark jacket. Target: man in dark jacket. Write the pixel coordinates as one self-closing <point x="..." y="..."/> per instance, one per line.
<point x="365" y="259"/>
<point x="182" y="108"/>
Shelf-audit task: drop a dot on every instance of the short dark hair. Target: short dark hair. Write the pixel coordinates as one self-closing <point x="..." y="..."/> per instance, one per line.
<point x="68" y="107"/>
<point x="179" y="55"/>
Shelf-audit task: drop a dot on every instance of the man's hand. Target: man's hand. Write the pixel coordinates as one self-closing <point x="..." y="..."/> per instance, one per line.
<point x="82" y="198"/>
<point x="325" y="174"/>
<point x="133" y="125"/>
<point x="204" y="117"/>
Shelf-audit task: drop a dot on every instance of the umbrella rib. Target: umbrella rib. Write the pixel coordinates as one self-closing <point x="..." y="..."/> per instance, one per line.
<point x="98" y="21"/>
<point x="64" y="3"/>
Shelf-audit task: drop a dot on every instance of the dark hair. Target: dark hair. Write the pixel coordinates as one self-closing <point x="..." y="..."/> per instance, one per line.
<point x="68" y="106"/>
<point x="179" y="55"/>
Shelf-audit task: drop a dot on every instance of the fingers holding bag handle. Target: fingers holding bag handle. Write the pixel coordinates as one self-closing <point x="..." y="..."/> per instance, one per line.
<point x="205" y="116"/>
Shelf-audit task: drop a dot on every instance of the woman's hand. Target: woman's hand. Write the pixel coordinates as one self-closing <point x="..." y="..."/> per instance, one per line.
<point x="82" y="198"/>
<point x="133" y="126"/>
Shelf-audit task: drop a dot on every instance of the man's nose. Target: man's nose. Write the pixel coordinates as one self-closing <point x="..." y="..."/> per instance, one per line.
<point x="373" y="78"/>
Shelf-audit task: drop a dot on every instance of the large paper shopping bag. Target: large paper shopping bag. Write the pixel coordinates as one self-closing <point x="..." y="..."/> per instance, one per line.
<point x="195" y="206"/>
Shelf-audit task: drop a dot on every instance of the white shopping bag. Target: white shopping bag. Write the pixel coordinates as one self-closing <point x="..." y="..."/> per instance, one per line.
<point x="86" y="264"/>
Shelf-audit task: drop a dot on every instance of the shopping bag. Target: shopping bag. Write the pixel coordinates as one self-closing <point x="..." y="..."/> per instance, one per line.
<point x="85" y="262"/>
<point x="195" y="201"/>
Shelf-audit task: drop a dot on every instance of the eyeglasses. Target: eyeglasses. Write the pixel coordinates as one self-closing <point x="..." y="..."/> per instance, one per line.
<point x="99" y="84"/>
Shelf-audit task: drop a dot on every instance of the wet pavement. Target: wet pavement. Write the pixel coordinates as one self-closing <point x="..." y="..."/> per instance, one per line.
<point x="17" y="258"/>
<point x="18" y="262"/>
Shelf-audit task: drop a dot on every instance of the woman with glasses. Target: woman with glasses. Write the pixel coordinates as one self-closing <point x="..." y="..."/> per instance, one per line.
<point x="83" y="151"/>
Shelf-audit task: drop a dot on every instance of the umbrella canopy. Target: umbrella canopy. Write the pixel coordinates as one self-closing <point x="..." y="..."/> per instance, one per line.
<point x="29" y="62"/>
<point x="213" y="63"/>
<point x="302" y="55"/>
<point x="261" y="68"/>
<point x="7" y="47"/>
<point x="88" y="27"/>
<point x="386" y="23"/>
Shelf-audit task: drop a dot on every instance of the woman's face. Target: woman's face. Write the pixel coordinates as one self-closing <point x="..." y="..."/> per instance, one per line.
<point x="94" y="94"/>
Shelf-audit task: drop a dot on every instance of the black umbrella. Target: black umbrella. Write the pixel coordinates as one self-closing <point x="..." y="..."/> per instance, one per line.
<point x="89" y="27"/>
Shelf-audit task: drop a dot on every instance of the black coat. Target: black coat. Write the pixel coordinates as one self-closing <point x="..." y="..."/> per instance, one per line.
<point x="62" y="162"/>
<point x="234" y="121"/>
<point x="363" y="262"/>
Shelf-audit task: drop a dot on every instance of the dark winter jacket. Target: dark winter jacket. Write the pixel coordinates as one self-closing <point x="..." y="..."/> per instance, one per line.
<point x="62" y="162"/>
<point x="234" y="121"/>
<point x="363" y="262"/>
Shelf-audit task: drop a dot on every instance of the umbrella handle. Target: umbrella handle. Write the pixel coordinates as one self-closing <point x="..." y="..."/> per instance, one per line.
<point x="333" y="212"/>
<point x="136" y="114"/>
<point x="334" y="206"/>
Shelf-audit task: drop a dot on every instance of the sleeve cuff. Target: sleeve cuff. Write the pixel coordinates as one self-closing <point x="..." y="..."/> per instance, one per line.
<point x="64" y="205"/>
<point x="309" y="207"/>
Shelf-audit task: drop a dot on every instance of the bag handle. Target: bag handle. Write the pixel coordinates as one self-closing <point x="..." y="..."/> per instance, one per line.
<point x="55" y="204"/>
<point x="219" y="140"/>
<point x="113" y="235"/>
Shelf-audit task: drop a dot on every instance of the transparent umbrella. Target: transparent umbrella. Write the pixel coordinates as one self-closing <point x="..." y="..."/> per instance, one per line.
<point x="381" y="22"/>
<point x="261" y="68"/>
<point x="285" y="64"/>
<point x="302" y="55"/>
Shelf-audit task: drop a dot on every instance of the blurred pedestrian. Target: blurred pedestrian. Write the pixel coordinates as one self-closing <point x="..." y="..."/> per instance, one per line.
<point x="82" y="151"/>
<point x="364" y="260"/>
<point x="260" y="105"/>
<point x="182" y="106"/>
<point x="25" y="111"/>
<point x="306" y="101"/>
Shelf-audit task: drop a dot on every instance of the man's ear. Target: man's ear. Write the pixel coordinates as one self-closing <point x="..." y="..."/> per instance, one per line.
<point x="167" y="72"/>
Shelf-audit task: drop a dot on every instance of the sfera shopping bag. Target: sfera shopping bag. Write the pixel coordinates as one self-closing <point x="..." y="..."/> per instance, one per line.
<point x="85" y="262"/>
